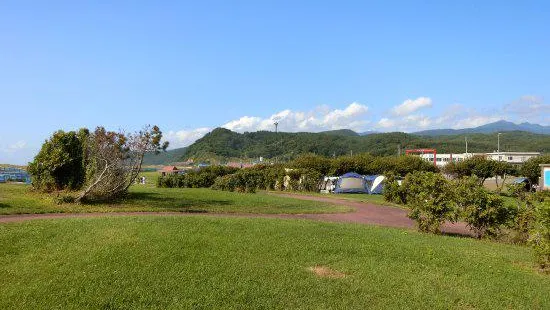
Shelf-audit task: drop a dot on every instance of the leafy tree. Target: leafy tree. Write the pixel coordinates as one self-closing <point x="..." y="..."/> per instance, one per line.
<point x="114" y="160"/>
<point x="478" y="166"/>
<point x="60" y="164"/>
<point x="531" y="170"/>
<point x="430" y="199"/>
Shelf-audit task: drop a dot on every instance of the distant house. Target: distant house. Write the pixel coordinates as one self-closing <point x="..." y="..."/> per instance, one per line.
<point x="166" y="170"/>
<point x="512" y="157"/>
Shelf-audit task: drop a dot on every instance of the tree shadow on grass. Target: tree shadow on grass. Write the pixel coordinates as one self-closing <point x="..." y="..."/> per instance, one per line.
<point x="467" y="235"/>
<point x="156" y="200"/>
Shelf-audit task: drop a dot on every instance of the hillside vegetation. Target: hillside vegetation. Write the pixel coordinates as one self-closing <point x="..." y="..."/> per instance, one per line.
<point x="223" y="143"/>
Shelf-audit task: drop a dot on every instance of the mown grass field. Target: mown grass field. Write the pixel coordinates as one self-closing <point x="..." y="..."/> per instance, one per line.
<point x="239" y="263"/>
<point x="19" y="199"/>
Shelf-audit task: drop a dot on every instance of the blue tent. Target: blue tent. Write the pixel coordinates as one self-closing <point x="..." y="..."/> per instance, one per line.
<point x="352" y="182"/>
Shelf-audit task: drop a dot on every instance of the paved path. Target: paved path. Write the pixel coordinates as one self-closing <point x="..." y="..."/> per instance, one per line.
<point x="366" y="213"/>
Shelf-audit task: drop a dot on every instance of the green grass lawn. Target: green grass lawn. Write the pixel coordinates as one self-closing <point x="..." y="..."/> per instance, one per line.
<point x="17" y="199"/>
<point x="237" y="263"/>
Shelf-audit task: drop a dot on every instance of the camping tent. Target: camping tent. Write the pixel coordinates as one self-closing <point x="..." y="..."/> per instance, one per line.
<point x="351" y="182"/>
<point x="377" y="185"/>
<point x="524" y="181"/>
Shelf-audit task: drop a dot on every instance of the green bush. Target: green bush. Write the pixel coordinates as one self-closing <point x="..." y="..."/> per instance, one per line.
<point x="203" y="177"/>
<point x="483" y="212"/>
<point x="392" y="190"/>
<point x="540" y="236"/>
<point x="430" y="199"/>
<point x="60" y="163"/>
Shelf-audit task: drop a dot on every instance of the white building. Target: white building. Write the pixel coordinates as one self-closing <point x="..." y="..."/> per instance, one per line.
<point x="512" y="157"/>
<point x="443" y="159"/>
<point x="509" y="157"/>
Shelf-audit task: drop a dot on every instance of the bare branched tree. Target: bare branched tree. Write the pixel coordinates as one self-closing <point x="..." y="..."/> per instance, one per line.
<point x="114" y="159"/>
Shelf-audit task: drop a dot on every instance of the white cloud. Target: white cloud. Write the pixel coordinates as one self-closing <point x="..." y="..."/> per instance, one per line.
<point x="404" y="117"/>
<point x="17" y="146"/>
<point x="409" y="106"/>
<point x="319" y="119"/>
<point x="407" y="123"/>
<point x="386" y="123"/>
<point x="183" y="138"/>
<point x="243" y="123"/>
<point x="529" y="108"/>
<point x="475" y="121"/>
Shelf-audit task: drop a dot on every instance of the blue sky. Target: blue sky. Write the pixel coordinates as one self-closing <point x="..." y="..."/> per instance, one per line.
<point x="313" y="65"/>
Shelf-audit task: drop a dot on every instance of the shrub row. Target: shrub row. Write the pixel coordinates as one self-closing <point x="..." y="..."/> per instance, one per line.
<point x="203" y="177"/>
<point x="269" y="178"/>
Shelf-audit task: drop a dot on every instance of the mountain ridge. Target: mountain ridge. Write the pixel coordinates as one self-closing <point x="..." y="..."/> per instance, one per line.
<point x="224" y="144"/>
<point x="498" y="126"/>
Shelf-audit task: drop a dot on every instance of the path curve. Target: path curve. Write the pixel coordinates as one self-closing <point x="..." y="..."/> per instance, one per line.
<point x="366" y="213"/>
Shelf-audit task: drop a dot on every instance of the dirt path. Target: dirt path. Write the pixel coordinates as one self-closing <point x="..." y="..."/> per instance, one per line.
<point x="365" y="213"/>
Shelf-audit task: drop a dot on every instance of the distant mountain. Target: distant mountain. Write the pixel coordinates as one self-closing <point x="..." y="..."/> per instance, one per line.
<point x="499" y="126"/>
<point x="164" y="158"/>
<point x="341" y="132"/>
<point x="368" y="132"/>
<point x="225" y="144"/>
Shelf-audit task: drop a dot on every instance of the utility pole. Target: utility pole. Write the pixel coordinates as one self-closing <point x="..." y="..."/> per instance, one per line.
<point x="498" y="145"/>
<point x="399" y="150"/>
<point x="466" y="140"/>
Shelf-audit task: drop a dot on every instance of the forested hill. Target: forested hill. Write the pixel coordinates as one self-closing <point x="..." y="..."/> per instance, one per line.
<point x="223" y="143"/>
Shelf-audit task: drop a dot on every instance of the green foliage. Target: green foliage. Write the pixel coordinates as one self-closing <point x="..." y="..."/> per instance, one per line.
<point x="540" y="236"/>
<point x="269" y="178"/>
<point x="223" y="143"/>
<point x="531" y="170"/>
<point x="102" y="164"/>
<point x="203" y="177"/>
<point x="483" y="212"/>
<point x="392" y="190"/>
<point x="524" y="214"/>
<point x="244" y="181"/>
<point x="60" y="163"/>
<point x="429" y="196"/>
<point x="312" y="162"/>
